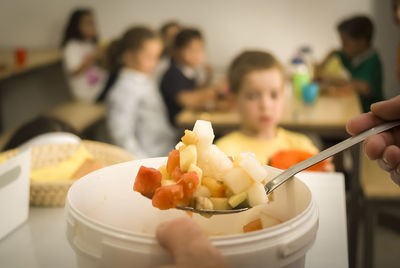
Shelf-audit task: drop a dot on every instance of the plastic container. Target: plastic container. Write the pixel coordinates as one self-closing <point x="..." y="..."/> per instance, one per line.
<point x="300" y="76"/>
<point x="109" y="225"/>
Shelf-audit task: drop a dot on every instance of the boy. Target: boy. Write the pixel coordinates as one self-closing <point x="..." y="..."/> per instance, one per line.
<point x="257" y="80"/>
<point x="360" y="60"/>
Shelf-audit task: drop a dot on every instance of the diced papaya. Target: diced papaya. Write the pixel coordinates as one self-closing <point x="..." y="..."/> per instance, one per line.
<point x="167" y="197"/>
<point x="173" y="161"/>
<point x="177" y="174"/>
<point x="189" y="181"/>
<point x="216" y="188"/>
<point x="253" y="226"/>
<point x="147" y="181"/>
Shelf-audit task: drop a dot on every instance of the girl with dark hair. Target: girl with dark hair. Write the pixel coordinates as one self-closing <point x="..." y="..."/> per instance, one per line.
<point x="80" y="53"/>
<point x="180" y="85"/>
<point x="136" y="116"/>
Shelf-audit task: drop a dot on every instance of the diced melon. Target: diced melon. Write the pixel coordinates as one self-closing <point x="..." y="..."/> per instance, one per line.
<point x="167" y="182"/>
<point x="217" y="189"/>
<point x="190" y="137"/>
<point x="164" y="173"/>
<point x="202" y="191"/>
<point x="188" y="156"/>
<point x="256" y="195"/>
<point x="214" y="162"/>
<point x="196" y="169"/>
<point x="204" y="132"/>
<point x="178" y="145"/>
<point x="237" y="180"/>
<point x="237" y="199"/>
<point x="220" y="203"/>
<point x="253" y="168"/>
<point x="204" y="203"/>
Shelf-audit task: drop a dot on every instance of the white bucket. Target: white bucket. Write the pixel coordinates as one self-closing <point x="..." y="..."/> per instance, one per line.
<point x="110" y="225"/>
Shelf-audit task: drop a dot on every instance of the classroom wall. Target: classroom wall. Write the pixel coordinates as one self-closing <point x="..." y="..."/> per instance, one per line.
<point x="229" y="25"/>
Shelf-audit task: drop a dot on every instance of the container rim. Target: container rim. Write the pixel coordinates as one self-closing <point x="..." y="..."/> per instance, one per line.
<point x="151" y="239"/>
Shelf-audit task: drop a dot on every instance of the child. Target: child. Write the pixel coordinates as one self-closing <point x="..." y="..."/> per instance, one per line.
<point x="179" y="86"/>
<point x="136" y="116"/>
<point x="79" y="44"/>
<point x="360" y="60"/>
<point x="257" y="80"/>
<point x="168" y="33"/>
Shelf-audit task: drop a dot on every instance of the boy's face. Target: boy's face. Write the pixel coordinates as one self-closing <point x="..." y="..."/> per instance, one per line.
<point x="260" y="99"/>
<point x="193" y="53"/>
<point x="352" y="47"/>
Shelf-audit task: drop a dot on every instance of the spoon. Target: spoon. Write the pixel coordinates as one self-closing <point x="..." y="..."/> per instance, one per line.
<point x="293" y="170"/>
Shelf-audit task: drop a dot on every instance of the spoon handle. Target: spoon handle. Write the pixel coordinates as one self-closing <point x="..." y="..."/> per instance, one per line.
<point x="293" y="170"/>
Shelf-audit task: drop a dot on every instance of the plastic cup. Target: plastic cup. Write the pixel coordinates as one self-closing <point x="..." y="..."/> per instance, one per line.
<point x="110" y="225"/>
<point x="310" y="93"/>
<point x="20" y="55"/>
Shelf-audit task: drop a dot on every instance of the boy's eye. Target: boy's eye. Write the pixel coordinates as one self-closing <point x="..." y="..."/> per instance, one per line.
<point x="252" y="96"/>
<point x="274" y="95"/>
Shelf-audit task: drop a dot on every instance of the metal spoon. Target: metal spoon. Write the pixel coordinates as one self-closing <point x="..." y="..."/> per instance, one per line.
<point x="293" y="170"/>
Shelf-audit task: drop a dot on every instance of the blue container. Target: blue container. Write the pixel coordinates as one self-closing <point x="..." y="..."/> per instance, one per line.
<point x="310" y="93"/>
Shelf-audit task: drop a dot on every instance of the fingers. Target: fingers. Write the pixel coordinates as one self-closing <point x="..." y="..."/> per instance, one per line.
<point x="188" y="244"/>
<point x="362" y="122"/>
<point x="387" y="110"/>
<point x="375" y="145"/>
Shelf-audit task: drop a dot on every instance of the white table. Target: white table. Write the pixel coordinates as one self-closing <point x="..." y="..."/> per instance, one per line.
<point x="41" y="241"/>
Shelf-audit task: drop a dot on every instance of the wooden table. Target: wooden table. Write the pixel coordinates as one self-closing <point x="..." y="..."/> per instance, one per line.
<point x="328" y="116"/>
<point x="35" y="59"/>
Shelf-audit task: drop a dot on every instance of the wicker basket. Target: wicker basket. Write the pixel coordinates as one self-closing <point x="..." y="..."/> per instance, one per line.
<point x="54" y="193"/>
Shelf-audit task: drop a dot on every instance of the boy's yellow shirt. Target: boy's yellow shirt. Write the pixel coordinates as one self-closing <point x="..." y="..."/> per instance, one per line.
<point x="236" y="142"/>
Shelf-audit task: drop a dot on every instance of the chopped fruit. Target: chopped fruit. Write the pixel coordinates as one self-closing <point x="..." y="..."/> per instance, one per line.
<point x="167" y="197"/>
<point x="190" y="137"/>
<point x="196" y="169"/>
<point x="189" y="181"/>
<point x="253" y="226"/>
<point x="237" y="199"/>
<point x="204" y="203"/>
<point x="237" y="180"/>
<point x="217" y="189"/>
<point x="176" y="174"/>
<point x="202" y="191"/>
<point x="256" y="195"/>
<point x="253" y="168"/>
<point x="147" y="181"/>
<point x="204" y="133"/>
<point x="199" y="174"/>
<point x="164" y="173"/>
<point x="187" y="157"/>
<point x="214" y="162"/>
<point x="167" y="182"/>
<point x="220" y="203"/>
<point x="173" y="161"/>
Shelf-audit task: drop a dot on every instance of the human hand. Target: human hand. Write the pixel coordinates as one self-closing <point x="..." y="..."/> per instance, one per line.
<point x="188" y="245"/>
<point x="384" y="147"/>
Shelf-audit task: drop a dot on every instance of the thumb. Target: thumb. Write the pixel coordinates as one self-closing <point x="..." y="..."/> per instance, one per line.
<point x="387" y="110"/>
<point x="188" y="245"/>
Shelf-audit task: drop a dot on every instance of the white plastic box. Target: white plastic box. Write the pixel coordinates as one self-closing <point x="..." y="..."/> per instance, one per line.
<point x="14" y="192"/>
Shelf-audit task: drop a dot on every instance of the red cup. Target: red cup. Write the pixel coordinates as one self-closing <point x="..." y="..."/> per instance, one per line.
<point x="20" y="57"/>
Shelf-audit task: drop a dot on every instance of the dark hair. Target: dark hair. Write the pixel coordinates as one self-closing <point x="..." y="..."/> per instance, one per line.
<point x="132" y="40"/>
<point x="358" y="27"/>
<point x="72" y="28"/>
<point x="166" y="26"/>
<point x="247" y="62"/>
<point x="185" y="36"/>
<point x="35" y="127"/>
